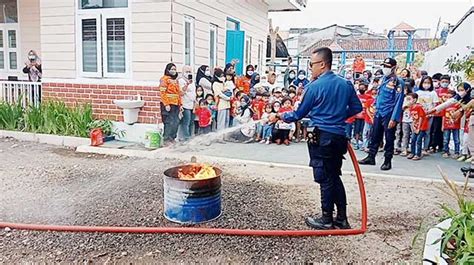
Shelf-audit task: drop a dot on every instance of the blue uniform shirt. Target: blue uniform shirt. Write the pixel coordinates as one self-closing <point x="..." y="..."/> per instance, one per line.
<point x="390" y="98"/>
<point x="327" y="102"/>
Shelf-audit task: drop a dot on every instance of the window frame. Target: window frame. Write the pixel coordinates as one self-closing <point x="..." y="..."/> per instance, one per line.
<point x="192" y="41"/>
<point x="248" y="50"/>
<point x="101" y="15"/>
<point x="215" y="28"/>
<point x="260" y="55"/>
<point x="5" y="27"/>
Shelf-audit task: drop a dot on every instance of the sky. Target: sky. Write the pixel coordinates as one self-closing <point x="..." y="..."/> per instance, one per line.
<point x="377" y="15"/>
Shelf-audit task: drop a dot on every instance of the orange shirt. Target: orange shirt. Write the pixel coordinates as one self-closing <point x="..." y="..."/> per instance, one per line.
<point x="170" y="92"/>
<point x="359" y="66"/>
<point x="243" y="83"/>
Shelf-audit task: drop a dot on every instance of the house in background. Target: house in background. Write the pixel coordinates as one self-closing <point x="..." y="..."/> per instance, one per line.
<point x="100" y="50"/>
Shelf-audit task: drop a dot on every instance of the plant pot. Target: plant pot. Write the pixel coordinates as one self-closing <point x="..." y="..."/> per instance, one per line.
<point x="109" y="138"/>
<point x="432" y="252"/>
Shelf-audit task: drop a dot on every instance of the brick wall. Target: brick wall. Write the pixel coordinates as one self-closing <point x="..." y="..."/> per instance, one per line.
<point x="102" y="96"/>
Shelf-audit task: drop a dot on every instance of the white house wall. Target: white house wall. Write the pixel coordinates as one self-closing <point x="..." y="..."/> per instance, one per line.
<point x="251" y="14"/>
<point x="460" y="41"/>
<point x="58" y="46"/>
<point x="30" y="36"/>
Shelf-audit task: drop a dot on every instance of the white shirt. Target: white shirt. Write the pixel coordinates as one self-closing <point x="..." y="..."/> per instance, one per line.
<point x="189" y="97"/>
<point x="428" y="99"/>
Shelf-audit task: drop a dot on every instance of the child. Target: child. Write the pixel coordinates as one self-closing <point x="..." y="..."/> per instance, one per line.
<point x="283" y="129"/>
<point x="234" y="106"/>
<point x="211" y="104"/>
<point x="369" y="114"/>
<point x="265" y="126"/>
<point x="359" y="118"/>
<point x="466" y="154"/>
<point x="420" y="125"/>
<point x="284" y="92"/>
<point x="204" y="116"/>
<point x="199" y="96"/>
<point x="451" y="126"/>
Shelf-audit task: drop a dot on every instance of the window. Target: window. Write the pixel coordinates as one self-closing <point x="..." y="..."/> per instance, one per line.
<point x="189" y="41"/>
<point x="213" y="46"/>
<point x="260" y="55"/>
<point x="248" y="50"/>
<point x="8" y="11"/>
<point x="103" y="40"/>
<point x="232" y="24"/>
<point x="94" y="4"/>
<point x="2" y="52"/>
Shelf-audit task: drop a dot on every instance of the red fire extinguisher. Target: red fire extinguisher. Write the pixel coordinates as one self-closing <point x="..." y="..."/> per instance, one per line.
<point x="97" y="137"/>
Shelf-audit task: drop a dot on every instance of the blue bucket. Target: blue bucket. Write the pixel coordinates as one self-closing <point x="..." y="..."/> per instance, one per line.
<point x="191" y="201"/>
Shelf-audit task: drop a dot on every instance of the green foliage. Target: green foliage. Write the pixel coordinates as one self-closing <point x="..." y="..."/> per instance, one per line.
<point x="463" y="65"/>
<point x="52" y="117"/>
<point x="458" y="240"/>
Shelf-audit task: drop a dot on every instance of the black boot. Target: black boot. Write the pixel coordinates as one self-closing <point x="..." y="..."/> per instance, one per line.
<point x="468" y="171"/>
<point x="369" y="160"/>
<point x="387" y="164"/>
<point x="321" y="223"/>
<point x="341" y="219"/>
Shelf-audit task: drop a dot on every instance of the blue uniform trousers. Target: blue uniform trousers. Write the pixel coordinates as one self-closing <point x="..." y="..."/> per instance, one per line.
<point x="379" y="129"/>
<point x="326" y="161"/>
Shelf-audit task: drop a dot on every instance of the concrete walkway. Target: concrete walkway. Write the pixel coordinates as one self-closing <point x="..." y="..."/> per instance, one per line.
<point x="297" y="154"/>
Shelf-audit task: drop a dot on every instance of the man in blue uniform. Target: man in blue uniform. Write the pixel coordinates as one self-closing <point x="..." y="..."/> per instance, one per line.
<point x="327" y="102"/>
<point x="388" y="112"/>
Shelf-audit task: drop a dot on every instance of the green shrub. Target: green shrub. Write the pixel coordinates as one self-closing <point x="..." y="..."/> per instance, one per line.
<point x="11" y="116"/>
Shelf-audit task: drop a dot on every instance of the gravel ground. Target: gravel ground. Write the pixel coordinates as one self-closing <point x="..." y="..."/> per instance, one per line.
<point x="47" y="185"/>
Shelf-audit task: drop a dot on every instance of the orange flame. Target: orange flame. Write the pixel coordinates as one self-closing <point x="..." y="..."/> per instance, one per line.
<point x="196" y="172"/>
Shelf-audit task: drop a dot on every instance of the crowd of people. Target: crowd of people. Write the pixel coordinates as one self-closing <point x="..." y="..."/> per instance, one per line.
<point x="212" y="101"/>
<point x="215" y="99"/>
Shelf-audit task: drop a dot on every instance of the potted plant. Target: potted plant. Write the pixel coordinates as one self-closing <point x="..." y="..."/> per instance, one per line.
<point x="107" y="129"/>
<point x="454" y="237"/>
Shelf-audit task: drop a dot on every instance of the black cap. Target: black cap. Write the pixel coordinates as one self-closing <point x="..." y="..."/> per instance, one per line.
<point x="389" y="62"/>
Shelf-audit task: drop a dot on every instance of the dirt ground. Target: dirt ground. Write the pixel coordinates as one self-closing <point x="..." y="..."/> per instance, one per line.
<point x="47" y="185"/>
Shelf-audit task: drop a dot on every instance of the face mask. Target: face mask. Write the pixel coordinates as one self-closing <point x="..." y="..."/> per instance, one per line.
<point x="243" y="104"/>
<point x="362" y="91"/>
<point x="189" y="76"/>
<point x="462" y="93"/>
<point x="301" y="77"/>
<point x="32" y="57"/>
<point x="386" y="71"/>
<point x="444" y="85"/>
<point x="172" y="72"/>
<point x="292" y="76"/>
<point x="222" y="79"/>
<point x="249" y="73"/>
<point x="426" y="86"/>
<point x="207" y="73"/>
<point x="348" y="76"/>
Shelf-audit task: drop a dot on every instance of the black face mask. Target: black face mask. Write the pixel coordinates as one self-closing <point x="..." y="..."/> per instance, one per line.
<point x="362" y="91"/>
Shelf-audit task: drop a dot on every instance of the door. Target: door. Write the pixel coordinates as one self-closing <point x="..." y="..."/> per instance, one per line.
<point x="235" y="42"/>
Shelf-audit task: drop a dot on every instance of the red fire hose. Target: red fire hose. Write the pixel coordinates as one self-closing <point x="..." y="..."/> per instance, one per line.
<point x="214" y="231"/>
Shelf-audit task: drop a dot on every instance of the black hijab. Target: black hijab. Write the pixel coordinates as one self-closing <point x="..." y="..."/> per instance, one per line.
<point x="217" y="73"/>
<point x="201" y="73"/>
<point x="167" y="71"/>
<point x="249" y="68"/>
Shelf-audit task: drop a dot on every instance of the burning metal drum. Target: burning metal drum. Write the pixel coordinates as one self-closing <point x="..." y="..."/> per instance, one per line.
<point x="192" y="193"/>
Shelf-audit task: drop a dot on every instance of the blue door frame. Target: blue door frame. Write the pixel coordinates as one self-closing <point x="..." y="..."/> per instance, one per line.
<point x="235" y="44"/>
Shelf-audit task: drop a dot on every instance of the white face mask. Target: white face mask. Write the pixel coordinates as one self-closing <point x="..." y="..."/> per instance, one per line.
<point x="301" y="77"/>
<point x="292" y="76"/>
<point x="172" y="72"/>
<point x="444" y="84"/>
<point x="386" y="71"/>
<point x="32" y="57"/>
<point x="207" y="73"/>
<point x="426" y="86"/>
<point x="462" y="93"/>
<point x="222" y="79"/>
<point x="249" y="73"/>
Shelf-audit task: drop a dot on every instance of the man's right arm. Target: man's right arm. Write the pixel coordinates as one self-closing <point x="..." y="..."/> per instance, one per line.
<point x="304" y="108"/>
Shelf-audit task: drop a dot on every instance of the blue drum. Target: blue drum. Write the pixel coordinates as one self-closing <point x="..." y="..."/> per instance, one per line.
<point x="191" y="201"/>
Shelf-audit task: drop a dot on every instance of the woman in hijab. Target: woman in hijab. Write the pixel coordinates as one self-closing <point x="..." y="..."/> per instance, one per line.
<point x="243" y="82"/>
<point x="255" y="80"/>
<point x="245" y="121"/>
<point x="301" y="81"/>
<point x="170" y="103"/>
<point x="289" y="78"/>
<point x="33" y="67"/>
<point x="204" y="79"/>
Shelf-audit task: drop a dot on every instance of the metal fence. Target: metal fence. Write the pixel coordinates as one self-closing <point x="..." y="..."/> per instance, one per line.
<point x="27" y="93"/>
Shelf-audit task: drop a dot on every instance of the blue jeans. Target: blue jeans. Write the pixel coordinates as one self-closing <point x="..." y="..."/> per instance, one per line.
<point x="349" y="127"/>
<point x="267" y="131"/>
<point x="186" y="125"/>
<point x="366" y="134"/>
<point x="416" y="142"/>
<point x="447" y="137"/>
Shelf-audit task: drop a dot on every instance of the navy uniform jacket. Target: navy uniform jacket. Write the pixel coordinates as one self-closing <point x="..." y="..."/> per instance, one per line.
<point x="390" y="98"/>
<point x="327" y="102"/>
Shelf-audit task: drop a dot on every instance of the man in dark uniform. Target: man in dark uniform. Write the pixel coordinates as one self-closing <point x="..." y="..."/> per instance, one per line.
<point x="327" y="102"/>
<point x="388" y="112"/>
